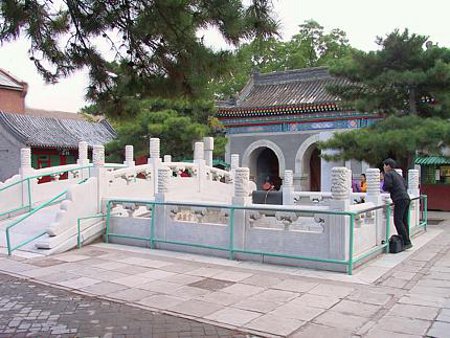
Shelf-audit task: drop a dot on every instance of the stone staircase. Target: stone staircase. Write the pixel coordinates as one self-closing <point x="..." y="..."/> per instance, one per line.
<point x="46" y="245"/>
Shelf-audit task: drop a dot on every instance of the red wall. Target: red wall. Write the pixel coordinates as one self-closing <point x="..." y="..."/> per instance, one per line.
<point x="12" y="101"/>
<point x="438" y="196"/>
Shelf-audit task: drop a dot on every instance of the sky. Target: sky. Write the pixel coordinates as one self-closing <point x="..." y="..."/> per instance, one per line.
<point x="362" y="20"/>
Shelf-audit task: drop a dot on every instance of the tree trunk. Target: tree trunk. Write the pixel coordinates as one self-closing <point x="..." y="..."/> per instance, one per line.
<point x="412" y="101"/>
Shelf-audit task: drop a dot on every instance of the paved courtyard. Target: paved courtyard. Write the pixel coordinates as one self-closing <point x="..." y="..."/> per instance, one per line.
<point x="30" y="309"/>
<point x="109" y="290"/>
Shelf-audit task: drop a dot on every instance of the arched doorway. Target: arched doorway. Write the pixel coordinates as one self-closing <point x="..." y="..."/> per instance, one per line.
<point x="314" y="170"/>
<point x="264" y="163"/>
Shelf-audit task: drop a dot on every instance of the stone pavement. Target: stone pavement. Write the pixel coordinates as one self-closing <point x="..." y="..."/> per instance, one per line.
<point x="30" y="309"/>
<point x="107" y="287"/>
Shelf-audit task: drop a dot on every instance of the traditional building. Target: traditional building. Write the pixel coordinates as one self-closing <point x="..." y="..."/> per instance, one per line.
<point x="52" y="136"/>
<point x="12" y="93"/>
<point x="277" y="120"/>
<point x="53" y="141"/>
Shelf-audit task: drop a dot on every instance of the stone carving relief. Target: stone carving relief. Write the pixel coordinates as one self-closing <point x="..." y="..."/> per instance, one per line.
<point x="25" y="157"/>
<point x="83" y="150"/>
<point x="340" y="187"/>
<point x="201" y="215"/>
<point x="285" y="220"/>
<point x="132" y="210"/>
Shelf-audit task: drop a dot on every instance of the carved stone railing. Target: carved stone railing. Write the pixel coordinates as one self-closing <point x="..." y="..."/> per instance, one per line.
<point x="129" y="174"/>
<point x="200" y="215"/>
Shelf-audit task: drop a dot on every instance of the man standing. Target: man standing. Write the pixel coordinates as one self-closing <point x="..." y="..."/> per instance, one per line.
<point x="396" y="186"/>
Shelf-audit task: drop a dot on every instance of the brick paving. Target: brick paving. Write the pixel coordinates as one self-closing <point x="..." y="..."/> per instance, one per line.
<point x="408" y="297"/>
<point x="28" y="309"/>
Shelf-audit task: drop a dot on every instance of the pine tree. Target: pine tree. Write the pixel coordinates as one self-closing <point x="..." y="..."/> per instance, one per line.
<point x="157" y="40"/>
<point x="407" y="79"/>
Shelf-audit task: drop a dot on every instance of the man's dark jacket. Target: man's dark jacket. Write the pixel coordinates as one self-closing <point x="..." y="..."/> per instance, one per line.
<point x="396" y="185"/>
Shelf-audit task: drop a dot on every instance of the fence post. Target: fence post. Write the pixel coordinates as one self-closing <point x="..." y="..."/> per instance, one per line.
<point x="208" y="150"/>
<point x="26" y="171"/>
<point x="237" y="216"/>
<point x="99" y="171"/>
<point x="154" y="161"/>
<point x="414" y="192"/>
<point x="288" y="188"/>
<point x="200" y="162"/>
<point x="161" y="211"/>
<point x="374" y="196"/>
<point x="83" y="160"/>
<point x="338" y="226"/>
<point x="129" y="156"/>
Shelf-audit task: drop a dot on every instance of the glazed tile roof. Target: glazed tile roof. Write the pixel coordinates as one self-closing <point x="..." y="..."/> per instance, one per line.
<point x="7" y="80"/>
<point x="295" y="87"/>
<point x="50" y="132"/>
<point x="432" y="160"/>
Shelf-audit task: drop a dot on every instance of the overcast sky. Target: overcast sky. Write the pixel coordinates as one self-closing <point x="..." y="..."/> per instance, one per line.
<point x="362" y="20"/>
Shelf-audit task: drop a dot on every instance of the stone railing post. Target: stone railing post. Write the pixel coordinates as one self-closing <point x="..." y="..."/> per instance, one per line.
<point x="373" y="186"/>
<point x="26" y="171"/>
<point x="240" y="194"/>
<point x="208" y="150"/>
<point x="167" y="158"/>
<point x="240" y="198"/>
<point x="338" y="226"/>
<point x="83" y="153"/>
<point x="129" y="156"/>
<point x="25" y="162"/>
<point x="164" y="174"/>
<point x="374" y="196"/>
<point x="234" y="165"/>
<point x="288" y="188"/>
<point x="413" y="182"/>
<point x="99" y="171"/>
<point x="161" y="212"/>
<point x="414" y="192"/>
<point x="83" y="159"/>
<point x="200" y="162"/>
<point x="154" y="161"/>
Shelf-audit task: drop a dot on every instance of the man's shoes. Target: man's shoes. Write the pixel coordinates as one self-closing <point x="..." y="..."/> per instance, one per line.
<point x="408" y="246"/>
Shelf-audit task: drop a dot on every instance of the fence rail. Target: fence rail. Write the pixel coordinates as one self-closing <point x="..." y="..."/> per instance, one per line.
<point x="152" y="239"/>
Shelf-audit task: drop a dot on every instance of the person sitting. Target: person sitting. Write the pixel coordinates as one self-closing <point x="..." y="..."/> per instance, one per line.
<point x="267" y="185"/>
<point x="363" y="183"/>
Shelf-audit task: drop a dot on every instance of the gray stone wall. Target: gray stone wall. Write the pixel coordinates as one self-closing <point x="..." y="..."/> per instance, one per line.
<point x="289" y="143"/>
<point x="9" y="154"/>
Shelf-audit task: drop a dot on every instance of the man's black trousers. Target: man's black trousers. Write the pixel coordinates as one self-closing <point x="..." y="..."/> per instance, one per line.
<point x="401" y="219"/>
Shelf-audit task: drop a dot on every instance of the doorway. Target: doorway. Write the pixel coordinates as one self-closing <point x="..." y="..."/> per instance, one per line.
<point x="315" y="170"/>
<point x="267" y="167"/>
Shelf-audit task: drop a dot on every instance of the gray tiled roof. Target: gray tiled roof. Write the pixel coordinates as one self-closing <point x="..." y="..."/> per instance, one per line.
<point x="56" y="133"/>
<point x="293" y="87"/>
<point x="7" y="80"/>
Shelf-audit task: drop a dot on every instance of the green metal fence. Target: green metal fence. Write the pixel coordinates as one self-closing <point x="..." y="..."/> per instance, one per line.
<point x="79" y="242"/>
<point x="27" y="181"/>
<point x="54" y="200"/>
<point x="350" y="262"/>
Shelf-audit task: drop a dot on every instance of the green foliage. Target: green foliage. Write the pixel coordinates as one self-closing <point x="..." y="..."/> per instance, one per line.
<point x="177" y="125"/>
<point x="403" y="77"/>
<point x="311" y="47"/>
<point x="396" y="137"/>
<point x="157" y="41"/>
<point x="407" y="80"/>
